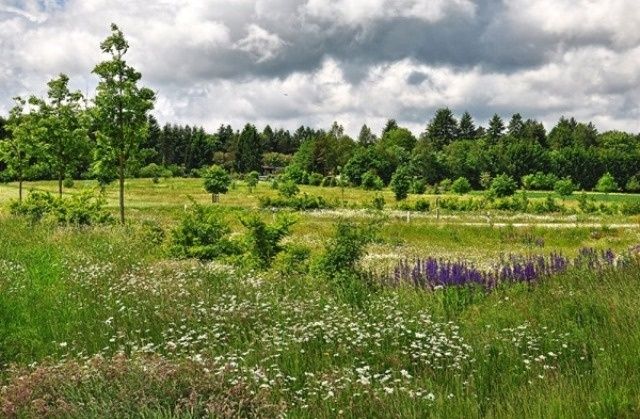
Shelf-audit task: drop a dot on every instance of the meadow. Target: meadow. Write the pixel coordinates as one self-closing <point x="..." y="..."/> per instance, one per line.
<point x="101" y="321"/>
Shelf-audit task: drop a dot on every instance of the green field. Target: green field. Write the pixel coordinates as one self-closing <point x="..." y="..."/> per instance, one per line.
<point x="103" y="322"/>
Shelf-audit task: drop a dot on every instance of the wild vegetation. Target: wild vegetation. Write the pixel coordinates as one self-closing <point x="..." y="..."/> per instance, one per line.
<point x="470" y="272"/>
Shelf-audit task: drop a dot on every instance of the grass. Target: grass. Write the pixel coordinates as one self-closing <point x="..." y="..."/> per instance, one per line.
<point x="99" y="322"/>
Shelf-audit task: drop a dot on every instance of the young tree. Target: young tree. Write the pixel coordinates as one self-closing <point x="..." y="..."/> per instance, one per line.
<point x="216" y="181"/>
<point x="401" y="182"/>
<point x="496" y="129"/>
<point x="366" y="138"/>
<point x="19" y="148"/>
<point x="121" y="108"/>
<point x="607" y="183"/>
<point x="442" y="129"/>
<point x="461" y="186"/>
<point x="64" y="132"/>
<point x="503" y="185"/>
<point x="252" y="180"/>
<point x="564" y="187"/>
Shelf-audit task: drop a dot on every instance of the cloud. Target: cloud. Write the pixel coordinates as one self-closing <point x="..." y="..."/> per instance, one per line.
<point x="293" y="62"/>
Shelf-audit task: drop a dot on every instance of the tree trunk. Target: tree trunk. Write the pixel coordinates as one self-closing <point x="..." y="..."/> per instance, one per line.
<point x="60" y="185"/>
<point x="20" y="189"/>
<point x="121" y="179"/>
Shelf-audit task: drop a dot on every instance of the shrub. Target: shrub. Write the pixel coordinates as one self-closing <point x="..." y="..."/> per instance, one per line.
<point x="400" y="183"/>
<point x="298" y="203"/>
<point x="378" y="202"/>
<point x="586" y="205"/>
<point x="151" y="171"/>
<point x="252" y="180"/>
<point x="631" y="207"/>
<point x="294" y="260"/>
<point x="68" y="183"/>
<point x="295" y="173"/>
<point x="80" y="209"/>
<point x="539" y="181"/>
<point x="503" y="185"/>
<point x="564" y="187"/>
<point x="264" y="239"/>
<point x="418" y="187"/>
<point x="216" y="182"/>
<point x="288" y="188"/>
<point x="633" y="185"/>
<point x="329" y="181"/>
<point x="152" y="232"/>
<point x="422" y="205"/>
<point x="371" y="181"/>
<point x="315" y="179"/>
<point x="444" y="186"/>
<point x="607" y="183"/>
<point x="461" y="186"/>
<point x="485" y="180"/>
<point x="202" y="234"/>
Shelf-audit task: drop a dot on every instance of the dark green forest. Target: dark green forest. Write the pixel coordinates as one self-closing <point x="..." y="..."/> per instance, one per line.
<point x="449" y="148"/>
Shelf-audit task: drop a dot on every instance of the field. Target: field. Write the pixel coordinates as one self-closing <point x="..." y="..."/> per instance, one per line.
<point x="102" y="322"/>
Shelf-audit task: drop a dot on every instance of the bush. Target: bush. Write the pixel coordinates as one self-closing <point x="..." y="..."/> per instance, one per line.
<point x="252" y="180"/>
<point x="607" y="183"/>
<point x="298" y="203"/>
<point x="315" y="179"/>
<point x="564" y="187"/>
<point x="485" y="180"/>
<point x="444" y="186"/>
<point x="202" y="234"/>
<point x="461" y="186"/>
<point x="295" y="173"/>
<point x="400" y="183"/>
<point x="422" y="205"/>
<point x="288" y="188"/>
<point x="80" y="209"/>
<point x="151" y="171"/>
<point x="633" y="185"/>
<point x="371" y="181"/>
<point x="264" y="240"/>
<point x="329" y="181"/>
<point x="152" y="232"/>
<point x="294" y="260"/>
<point x="68" y="183"/>
<point x="503" y="185"/>
<point x="378" y="202"/>
<point x="418" y="187"/>
<point x="539" y="181"/>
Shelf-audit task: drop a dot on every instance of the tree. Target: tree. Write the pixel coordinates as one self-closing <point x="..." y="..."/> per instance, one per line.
<point x="461" y="186"/>
<point x="564" y="187"/>
<point x="503" y="185"/>
<point x="216" y="182"/>
<point x="467" y="129"/>
<point x="252" y="180"/>
<point x="21" y="147"/>
<point x="390" y="125"/>
<point x="121" y="108"/>
<point x="64" y="132"/>
<point x="400" y="137"/>
<point x="249" y="157"/>
<point x="442" y="129"/>
<point x="607" y="183"/>
<point x="496" y="129"/>
<point x="401" y="183"/>
<point x="366" y="138"/>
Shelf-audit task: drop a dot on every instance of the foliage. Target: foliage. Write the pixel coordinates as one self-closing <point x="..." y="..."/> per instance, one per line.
<point x="378" y="202"/>
<point x="216" y="181"/>
<point x="315" y="179"/>
<point x="288" y="188"/>
<point x="401" y="183"/>
<point x="564" y="187"/>
<point x="264" y="239"/>
<point x="371" y="181"/>
<point x="302" y="202"/>
<point x="461" y="186"/>
<point x="252" y="179"/>
<point x="607" y="183"/>
<point x="539" y="181"/>
<point x="633" y="185"/>
<point x="503" y="185"/>
<point x="120" y="111"/>
<point x="418" y="186"/>
<point x="202" y="234"/>
<point x="80" y="209"/>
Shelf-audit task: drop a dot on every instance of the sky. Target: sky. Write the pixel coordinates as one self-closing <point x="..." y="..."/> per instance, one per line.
<point x="312" y="62"/>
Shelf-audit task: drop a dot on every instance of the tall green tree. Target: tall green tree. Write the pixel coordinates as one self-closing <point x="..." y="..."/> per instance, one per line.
<point x="121" y="108"/>
<point x="366" y="137"/>
<point x="22" y="146"/>
<point x="249" y="155"/>
<point x="64" y="128"/>
<point x="496" y="129"/>
<point x="443" y="128"/>
<point x="467" y="130"/>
